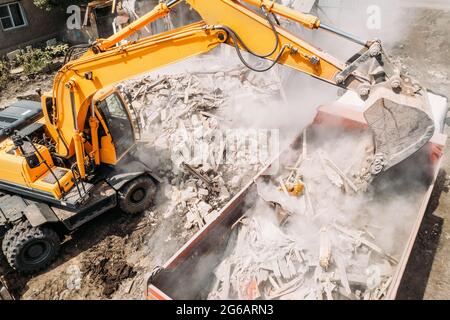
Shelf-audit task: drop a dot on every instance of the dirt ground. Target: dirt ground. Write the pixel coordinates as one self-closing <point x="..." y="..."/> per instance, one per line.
<point x="426" y="50"/>
<point x="25" y="87"/>
<point x="112" y="257"/>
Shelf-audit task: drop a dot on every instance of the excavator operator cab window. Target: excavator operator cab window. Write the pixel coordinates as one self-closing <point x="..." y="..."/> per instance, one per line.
<point x="118" y="122"/>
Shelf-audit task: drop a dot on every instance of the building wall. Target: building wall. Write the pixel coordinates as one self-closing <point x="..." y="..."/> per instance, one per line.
<point x="42" y="25"/>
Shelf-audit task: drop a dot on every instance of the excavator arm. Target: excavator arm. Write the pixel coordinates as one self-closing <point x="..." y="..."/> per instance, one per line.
<point x="396" y="107"/>
<point x="78" y="81"/>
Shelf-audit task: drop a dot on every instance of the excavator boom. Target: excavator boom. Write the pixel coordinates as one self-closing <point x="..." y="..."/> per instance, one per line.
<point x="397" y="110"/>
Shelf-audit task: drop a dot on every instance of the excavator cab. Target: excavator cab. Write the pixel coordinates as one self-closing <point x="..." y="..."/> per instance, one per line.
<point x="118" y="125"/>
<point x="118" y="121"/>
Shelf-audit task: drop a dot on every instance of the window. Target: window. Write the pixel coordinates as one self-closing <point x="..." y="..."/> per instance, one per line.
<point x="12" y="16"/>
<point x="115" y="107"/>
<point x="119" y="125"/>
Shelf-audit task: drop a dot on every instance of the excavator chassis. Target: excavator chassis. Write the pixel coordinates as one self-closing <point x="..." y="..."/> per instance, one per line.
<point x="23" y="213"/>
<point x="28" y="213"/>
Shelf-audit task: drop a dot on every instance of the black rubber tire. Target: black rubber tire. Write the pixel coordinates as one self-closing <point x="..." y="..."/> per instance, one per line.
<point x="137" y="195"/>
<point x="21" y="239"/>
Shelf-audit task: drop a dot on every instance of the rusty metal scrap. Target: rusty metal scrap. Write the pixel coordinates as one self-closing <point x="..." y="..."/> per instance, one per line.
<point x="210" y="183"/>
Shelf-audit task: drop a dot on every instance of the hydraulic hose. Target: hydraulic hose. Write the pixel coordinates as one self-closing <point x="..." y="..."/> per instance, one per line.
<point x="238" y="41"/>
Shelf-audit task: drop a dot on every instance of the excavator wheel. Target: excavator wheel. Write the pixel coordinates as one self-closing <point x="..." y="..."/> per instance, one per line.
<point x="137" y="195"/>
<point x="29" y="249"/>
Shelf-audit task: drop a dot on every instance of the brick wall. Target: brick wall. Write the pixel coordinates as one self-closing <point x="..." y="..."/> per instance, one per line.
<point x="41" y="26"/>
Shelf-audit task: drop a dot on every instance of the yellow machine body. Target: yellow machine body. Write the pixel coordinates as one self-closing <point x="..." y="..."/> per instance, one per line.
<point x="15" y="169"/>
<point x="74" y="112"/>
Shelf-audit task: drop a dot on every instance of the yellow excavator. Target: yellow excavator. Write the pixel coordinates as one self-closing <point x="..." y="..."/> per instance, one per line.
<point x="72" y="157"/>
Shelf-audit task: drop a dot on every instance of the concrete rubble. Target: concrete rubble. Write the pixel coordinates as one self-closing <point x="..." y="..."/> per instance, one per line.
<point x="195" y="103"/>
<point x="266" y="268"/>
<point x="294" y="243"/>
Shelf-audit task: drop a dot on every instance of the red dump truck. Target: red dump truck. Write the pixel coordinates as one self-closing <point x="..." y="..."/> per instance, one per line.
<point x="189" y="274"/>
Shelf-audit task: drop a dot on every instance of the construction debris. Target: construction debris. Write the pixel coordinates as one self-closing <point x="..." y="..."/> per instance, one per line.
<point x="181" y="116"/>
<point x="209" y="183"/>
<point x="267" y="263"/>
<point x="307" y="254"/>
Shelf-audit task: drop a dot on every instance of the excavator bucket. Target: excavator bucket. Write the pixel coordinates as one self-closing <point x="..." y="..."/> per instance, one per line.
<point x="401" y="123"/>
<point x="397" y="109"/>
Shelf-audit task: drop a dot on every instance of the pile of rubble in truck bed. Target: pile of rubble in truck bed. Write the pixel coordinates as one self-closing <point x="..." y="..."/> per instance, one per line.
<point x="191" y="103"/>
<point x="313" y="234"/>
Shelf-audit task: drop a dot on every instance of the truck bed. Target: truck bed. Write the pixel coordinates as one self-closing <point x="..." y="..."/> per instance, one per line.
<point x="189" y="274"/>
